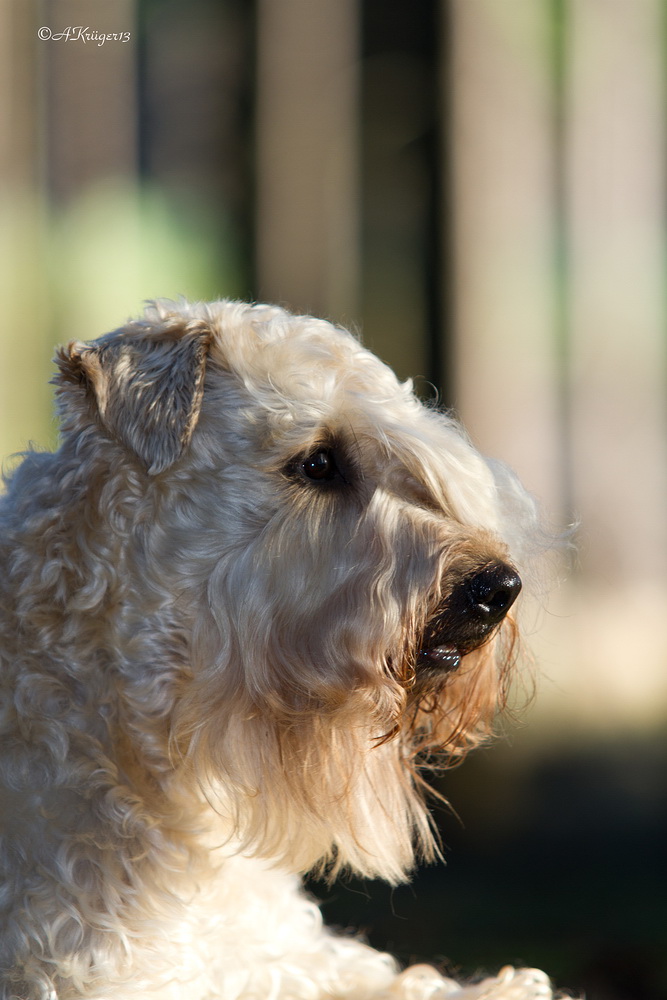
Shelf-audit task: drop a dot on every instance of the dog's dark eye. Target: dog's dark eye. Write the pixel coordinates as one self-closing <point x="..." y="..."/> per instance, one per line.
<point x="319" y="466"/>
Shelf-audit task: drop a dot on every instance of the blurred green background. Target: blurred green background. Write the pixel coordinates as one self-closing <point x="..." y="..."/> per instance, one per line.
<point x="479" y="186"/>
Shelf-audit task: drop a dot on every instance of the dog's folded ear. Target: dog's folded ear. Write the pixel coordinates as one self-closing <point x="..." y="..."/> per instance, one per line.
<point x="145" y="387"/>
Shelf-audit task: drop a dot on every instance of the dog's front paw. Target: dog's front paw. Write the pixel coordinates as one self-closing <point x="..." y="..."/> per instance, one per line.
<point x="510" y="984"/>
<point x="423" y="982"/>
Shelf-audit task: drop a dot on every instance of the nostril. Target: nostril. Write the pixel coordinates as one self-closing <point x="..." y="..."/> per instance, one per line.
<point x="493" y="591"/>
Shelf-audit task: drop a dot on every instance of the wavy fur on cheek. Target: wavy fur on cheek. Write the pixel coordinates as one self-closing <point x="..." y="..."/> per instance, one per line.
<point x="284" y="721"/>
<point x="299" y="722"/>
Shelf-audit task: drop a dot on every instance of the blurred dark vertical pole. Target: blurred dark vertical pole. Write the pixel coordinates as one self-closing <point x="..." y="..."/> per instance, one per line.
<point x="401" y="189"/>
<point x="307" y="243"/>
<point x="196" y="75"/>
<point x="442" y="285"/>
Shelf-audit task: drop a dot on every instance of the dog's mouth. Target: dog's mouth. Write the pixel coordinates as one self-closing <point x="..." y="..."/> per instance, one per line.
<point x="469" y="617"/>
<point x="445" y="659"/>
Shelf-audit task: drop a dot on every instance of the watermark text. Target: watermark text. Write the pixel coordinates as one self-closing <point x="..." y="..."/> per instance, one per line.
<point x="80" y="33"/>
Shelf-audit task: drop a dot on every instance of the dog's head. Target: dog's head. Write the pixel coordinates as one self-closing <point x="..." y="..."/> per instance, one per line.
<point x="338" y="561"/>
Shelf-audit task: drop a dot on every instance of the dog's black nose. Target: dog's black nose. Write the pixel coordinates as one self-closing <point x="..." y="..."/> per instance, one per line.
<point x="469" y="615"/>
<point x="492" y="592"/>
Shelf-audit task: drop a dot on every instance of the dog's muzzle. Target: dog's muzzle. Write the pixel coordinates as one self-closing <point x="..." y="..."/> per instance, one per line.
<point x="469" y="616"/>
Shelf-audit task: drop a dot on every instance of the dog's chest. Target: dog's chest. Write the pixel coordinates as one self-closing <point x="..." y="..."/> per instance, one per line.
<point x="246" y="931"/>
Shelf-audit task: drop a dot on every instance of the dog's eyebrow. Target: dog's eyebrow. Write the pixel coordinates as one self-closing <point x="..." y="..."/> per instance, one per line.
<point x="354" y="442"/>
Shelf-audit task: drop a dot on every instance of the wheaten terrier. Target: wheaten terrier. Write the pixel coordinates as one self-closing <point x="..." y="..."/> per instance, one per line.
<point x="252" y="594"/>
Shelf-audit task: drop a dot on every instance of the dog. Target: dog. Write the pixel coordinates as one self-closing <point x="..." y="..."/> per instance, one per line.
<point x="257" y="591"/>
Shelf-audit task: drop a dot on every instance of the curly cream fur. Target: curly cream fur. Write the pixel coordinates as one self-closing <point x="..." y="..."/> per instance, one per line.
<point x="209" y="664"/>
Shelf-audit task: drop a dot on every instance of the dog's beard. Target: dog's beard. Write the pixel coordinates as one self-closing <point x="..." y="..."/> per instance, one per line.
<point x="452" y="698"/>
<point x="309" y="715"/>
<point x="337" y="785"/>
